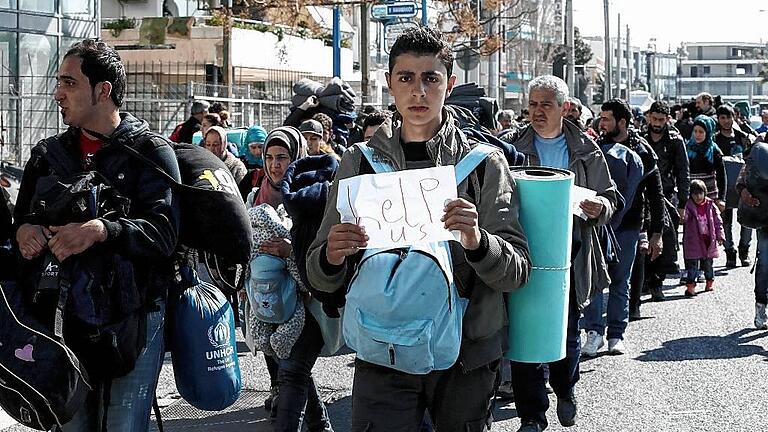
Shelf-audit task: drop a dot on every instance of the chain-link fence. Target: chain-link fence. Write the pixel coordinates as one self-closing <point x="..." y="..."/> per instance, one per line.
<point x="159" y="92"/>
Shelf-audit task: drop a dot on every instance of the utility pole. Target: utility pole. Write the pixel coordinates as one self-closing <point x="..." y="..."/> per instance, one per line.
<point x="607" y="84"/>
<point x="364" y="50"/>
<point x="618" y="56"/>
<point x="495" y="58"/>
<point x="337" y="41"/>
<point x="570" y="47"/>
<point x="424" y="17"/>
<point x="630" y="59"/>
<point x="227" y="48"/>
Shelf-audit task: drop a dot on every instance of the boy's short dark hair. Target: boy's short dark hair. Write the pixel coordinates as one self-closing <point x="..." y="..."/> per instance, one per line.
<point x="659" y="107"/>
<point x="724" y="109"/>
<point x="101" y="63"/>
<point x="422" y="41"/>
<point x="698" y="186"/>
<point x="376" y="118"/>
<point x="213" y="119"/>
<point x="324" y="120"/>
<point x="619" y="108"/>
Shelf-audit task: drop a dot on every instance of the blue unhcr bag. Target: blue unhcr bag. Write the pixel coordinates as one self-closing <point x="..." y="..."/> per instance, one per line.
<point x="203" y="345"/>
<point x="403" y="309"/>
<point x="271" y="289"/>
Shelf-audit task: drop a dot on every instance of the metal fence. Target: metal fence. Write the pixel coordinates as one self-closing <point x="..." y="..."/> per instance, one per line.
<point x="159" y="92"/>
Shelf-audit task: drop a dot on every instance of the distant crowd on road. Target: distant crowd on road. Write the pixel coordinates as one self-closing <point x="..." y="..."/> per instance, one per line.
<point x="429" y="361"/>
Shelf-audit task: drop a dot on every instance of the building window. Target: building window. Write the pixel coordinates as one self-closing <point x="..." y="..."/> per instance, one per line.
<point x="705" y="71"/>
<point x="694" y="71"/>
<point x="46" y="6"/>
<point x="8" y="4"/>
<point x="735" y="52"/>
<point x="77" y="8"/>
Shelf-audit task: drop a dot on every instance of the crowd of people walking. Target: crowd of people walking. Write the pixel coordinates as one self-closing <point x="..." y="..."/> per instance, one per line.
<point x="655" y="174"/>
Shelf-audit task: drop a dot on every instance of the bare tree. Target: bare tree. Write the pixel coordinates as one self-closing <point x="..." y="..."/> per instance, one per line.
<point x="468" y="24"/>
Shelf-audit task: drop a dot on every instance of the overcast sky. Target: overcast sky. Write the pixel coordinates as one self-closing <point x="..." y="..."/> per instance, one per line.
<point x="675" y="21"/>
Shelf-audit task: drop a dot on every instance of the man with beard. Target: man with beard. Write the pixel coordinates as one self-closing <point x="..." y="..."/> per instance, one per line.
<point x="615" y="120"/>
<point x="705" y="105"/>
<point x="574" y="115"/>
<point x="732" y="142"/>
<point x="669" y="146"/>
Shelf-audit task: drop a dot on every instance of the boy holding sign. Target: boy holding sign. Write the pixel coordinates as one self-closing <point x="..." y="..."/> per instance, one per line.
<point x="490" y="257"/>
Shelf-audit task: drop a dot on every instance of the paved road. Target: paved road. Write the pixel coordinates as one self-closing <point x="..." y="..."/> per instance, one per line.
<point x="693" y="365"/>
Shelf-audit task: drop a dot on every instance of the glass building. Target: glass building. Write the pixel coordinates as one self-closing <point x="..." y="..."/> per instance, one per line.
<point x="34" y="35"/>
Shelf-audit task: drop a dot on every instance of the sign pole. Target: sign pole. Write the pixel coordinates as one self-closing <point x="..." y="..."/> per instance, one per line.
<point x="337" y="41"/>
<point x="424" y="13"/>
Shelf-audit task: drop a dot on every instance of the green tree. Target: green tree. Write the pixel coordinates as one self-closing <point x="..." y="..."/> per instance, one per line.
<point x="582" y="51"/>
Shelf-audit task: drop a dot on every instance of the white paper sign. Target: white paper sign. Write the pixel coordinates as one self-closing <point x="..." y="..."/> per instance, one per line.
<point x="579" y="194"/>
<point x="398" y="209"/>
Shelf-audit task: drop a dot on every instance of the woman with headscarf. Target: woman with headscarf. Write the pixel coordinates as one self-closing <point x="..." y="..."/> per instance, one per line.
<point x="290" y="376"/>
<point x="706" y="159"/>
<point x="252" y="151"/>
<point x="216" y="142"/>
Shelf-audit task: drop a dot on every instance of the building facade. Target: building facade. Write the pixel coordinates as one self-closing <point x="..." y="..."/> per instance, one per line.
<point x="730" y="69"/>
<point x="34" y="35"/>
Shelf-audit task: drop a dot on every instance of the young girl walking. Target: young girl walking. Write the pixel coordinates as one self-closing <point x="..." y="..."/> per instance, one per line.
<point x="702" y="232"/>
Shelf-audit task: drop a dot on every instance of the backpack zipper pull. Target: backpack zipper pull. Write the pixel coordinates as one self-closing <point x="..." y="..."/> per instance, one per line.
<point x="391" y="349"/>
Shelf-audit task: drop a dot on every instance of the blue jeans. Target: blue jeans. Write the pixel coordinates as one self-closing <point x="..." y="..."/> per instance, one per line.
<point x="761" y="272"/>
<point x="296" y="387"/>
<point x="528" y="379"/>
<point x="131" y="396"/>
<point x="618" y="292"/>
<point x="693" y="266"/>
<point x="745" y="235"/>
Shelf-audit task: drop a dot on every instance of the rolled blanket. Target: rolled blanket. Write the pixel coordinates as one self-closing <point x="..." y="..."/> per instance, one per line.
<point x="336" y="86"/>
<point x="297" y="100"/>
<point x="489" y="108"/>
<point x="469" y="89"/>
<point x="338" y="103"/>
<point x="307" y="87"/>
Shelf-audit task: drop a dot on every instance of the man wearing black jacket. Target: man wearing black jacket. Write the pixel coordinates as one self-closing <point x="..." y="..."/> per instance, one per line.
<point x="733" y="142"/>
<point x="615" y="118"/>
<point x="89" y="92"/>
<point x="194" y="122"/>
<point x="669" y="146"/>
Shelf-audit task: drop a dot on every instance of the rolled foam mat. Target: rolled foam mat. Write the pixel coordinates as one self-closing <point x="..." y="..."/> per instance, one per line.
<point x="538" y="311"/>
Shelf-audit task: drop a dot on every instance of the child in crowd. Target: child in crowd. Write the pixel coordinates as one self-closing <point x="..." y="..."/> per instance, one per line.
<point x="702" y="232"/>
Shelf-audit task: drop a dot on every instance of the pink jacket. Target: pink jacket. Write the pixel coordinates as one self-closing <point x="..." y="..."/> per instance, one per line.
<point x="693" y="246"/>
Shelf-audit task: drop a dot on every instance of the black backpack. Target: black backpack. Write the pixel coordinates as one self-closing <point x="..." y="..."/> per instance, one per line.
<point x="91" y="299"/>
<point x="213" y="216"/>
<point x="29" y="390"/>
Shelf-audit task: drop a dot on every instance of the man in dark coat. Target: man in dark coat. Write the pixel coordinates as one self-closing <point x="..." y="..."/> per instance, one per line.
<point x="669" y="145"/>
<point x="194" y="122"/>
<point x="91" y="84"/>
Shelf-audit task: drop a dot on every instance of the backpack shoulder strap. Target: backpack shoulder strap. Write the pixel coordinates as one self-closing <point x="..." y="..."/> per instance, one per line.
<point x="377" y="165"/>
<point x="471" y="160"/>
<point x="147" y="161"/>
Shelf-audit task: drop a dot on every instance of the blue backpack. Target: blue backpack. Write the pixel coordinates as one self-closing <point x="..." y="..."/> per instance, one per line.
<point x="403" y="310"/>
<point x="271" y="289"/>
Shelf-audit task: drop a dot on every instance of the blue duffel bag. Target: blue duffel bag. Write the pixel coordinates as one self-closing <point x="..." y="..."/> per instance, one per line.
<point x="203" y="345"/>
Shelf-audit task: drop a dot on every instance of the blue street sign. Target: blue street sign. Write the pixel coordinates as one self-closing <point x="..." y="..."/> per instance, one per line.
<point x="400" y="9"/>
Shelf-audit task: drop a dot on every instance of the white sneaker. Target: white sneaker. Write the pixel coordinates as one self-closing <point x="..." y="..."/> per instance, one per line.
<point x="761" y="318"/>
<point x="594" y="342"/>
<point x="616" y="347"/>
